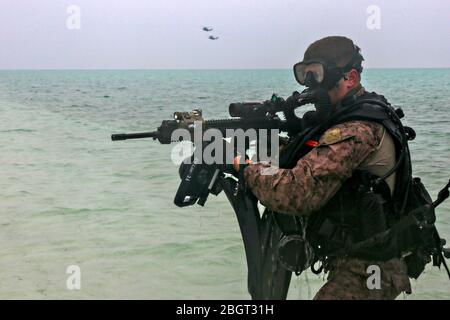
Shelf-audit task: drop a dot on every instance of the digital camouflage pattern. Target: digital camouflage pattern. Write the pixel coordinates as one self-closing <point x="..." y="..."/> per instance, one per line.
<point x="319" y="175"/>
<point x="347" y="280"/>
<point x="311" y="184"/>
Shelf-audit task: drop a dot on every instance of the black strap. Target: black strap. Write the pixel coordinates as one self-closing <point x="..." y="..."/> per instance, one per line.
<point x="444" y="263"/>
<point x="442" y="195"/>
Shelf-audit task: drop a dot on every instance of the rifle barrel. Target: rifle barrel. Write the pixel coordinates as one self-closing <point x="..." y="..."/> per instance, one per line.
<point x="127" y="136"/>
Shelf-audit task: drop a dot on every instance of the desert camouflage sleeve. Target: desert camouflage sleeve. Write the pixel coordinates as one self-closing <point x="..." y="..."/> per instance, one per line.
<point x="318" y="176"/>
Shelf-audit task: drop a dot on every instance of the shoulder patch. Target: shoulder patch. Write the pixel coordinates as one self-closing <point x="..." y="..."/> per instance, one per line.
<point x="332" y="136"/>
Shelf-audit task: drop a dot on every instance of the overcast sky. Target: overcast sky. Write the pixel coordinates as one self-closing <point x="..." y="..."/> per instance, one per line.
<point x="166" y="34"/>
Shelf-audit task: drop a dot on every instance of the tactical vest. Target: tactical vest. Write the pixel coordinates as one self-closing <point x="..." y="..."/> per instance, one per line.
<point x="363" y="207"/>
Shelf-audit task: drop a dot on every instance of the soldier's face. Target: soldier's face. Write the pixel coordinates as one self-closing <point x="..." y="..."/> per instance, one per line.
<point x="344" y="85"/>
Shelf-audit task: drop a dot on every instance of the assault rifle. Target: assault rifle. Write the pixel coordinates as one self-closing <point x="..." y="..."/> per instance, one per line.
<point x="247" y="115"/>
<point x="198" y="180"/>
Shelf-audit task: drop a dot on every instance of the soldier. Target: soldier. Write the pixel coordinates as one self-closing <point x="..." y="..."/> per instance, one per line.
<point x="318" y="184"/>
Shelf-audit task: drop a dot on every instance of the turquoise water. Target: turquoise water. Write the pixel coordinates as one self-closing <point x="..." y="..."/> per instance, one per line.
<point x="70" y="196"/>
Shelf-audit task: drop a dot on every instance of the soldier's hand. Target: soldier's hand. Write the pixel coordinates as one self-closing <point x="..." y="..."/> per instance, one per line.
<point x="237" y="162"/>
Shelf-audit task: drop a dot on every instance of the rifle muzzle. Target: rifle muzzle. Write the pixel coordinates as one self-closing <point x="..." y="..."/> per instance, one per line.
<point x="127" y="136"/>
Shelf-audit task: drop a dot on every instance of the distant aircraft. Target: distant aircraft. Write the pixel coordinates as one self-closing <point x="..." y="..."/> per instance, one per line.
<point x="207" y="29"/>
<point x="213" y="38"/>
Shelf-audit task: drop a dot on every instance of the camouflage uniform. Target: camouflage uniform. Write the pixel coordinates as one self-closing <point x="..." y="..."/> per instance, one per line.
<point x="311" y="184"/>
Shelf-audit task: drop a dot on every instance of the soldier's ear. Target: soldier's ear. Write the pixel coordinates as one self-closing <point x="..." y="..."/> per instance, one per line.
<point x="353" y="76"/>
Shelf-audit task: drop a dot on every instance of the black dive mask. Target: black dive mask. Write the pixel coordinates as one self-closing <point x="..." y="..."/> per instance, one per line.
<point x="311" y="80"/>
<point x="318" y="73"/>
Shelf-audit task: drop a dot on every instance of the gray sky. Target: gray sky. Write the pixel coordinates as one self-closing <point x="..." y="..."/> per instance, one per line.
<point x="166" y="34"/>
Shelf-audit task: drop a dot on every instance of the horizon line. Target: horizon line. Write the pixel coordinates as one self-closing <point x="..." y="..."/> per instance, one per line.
<point x="193" y="69"/>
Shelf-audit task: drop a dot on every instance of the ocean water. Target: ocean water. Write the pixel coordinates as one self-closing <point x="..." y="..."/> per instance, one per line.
<point x="70" y="196"/>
